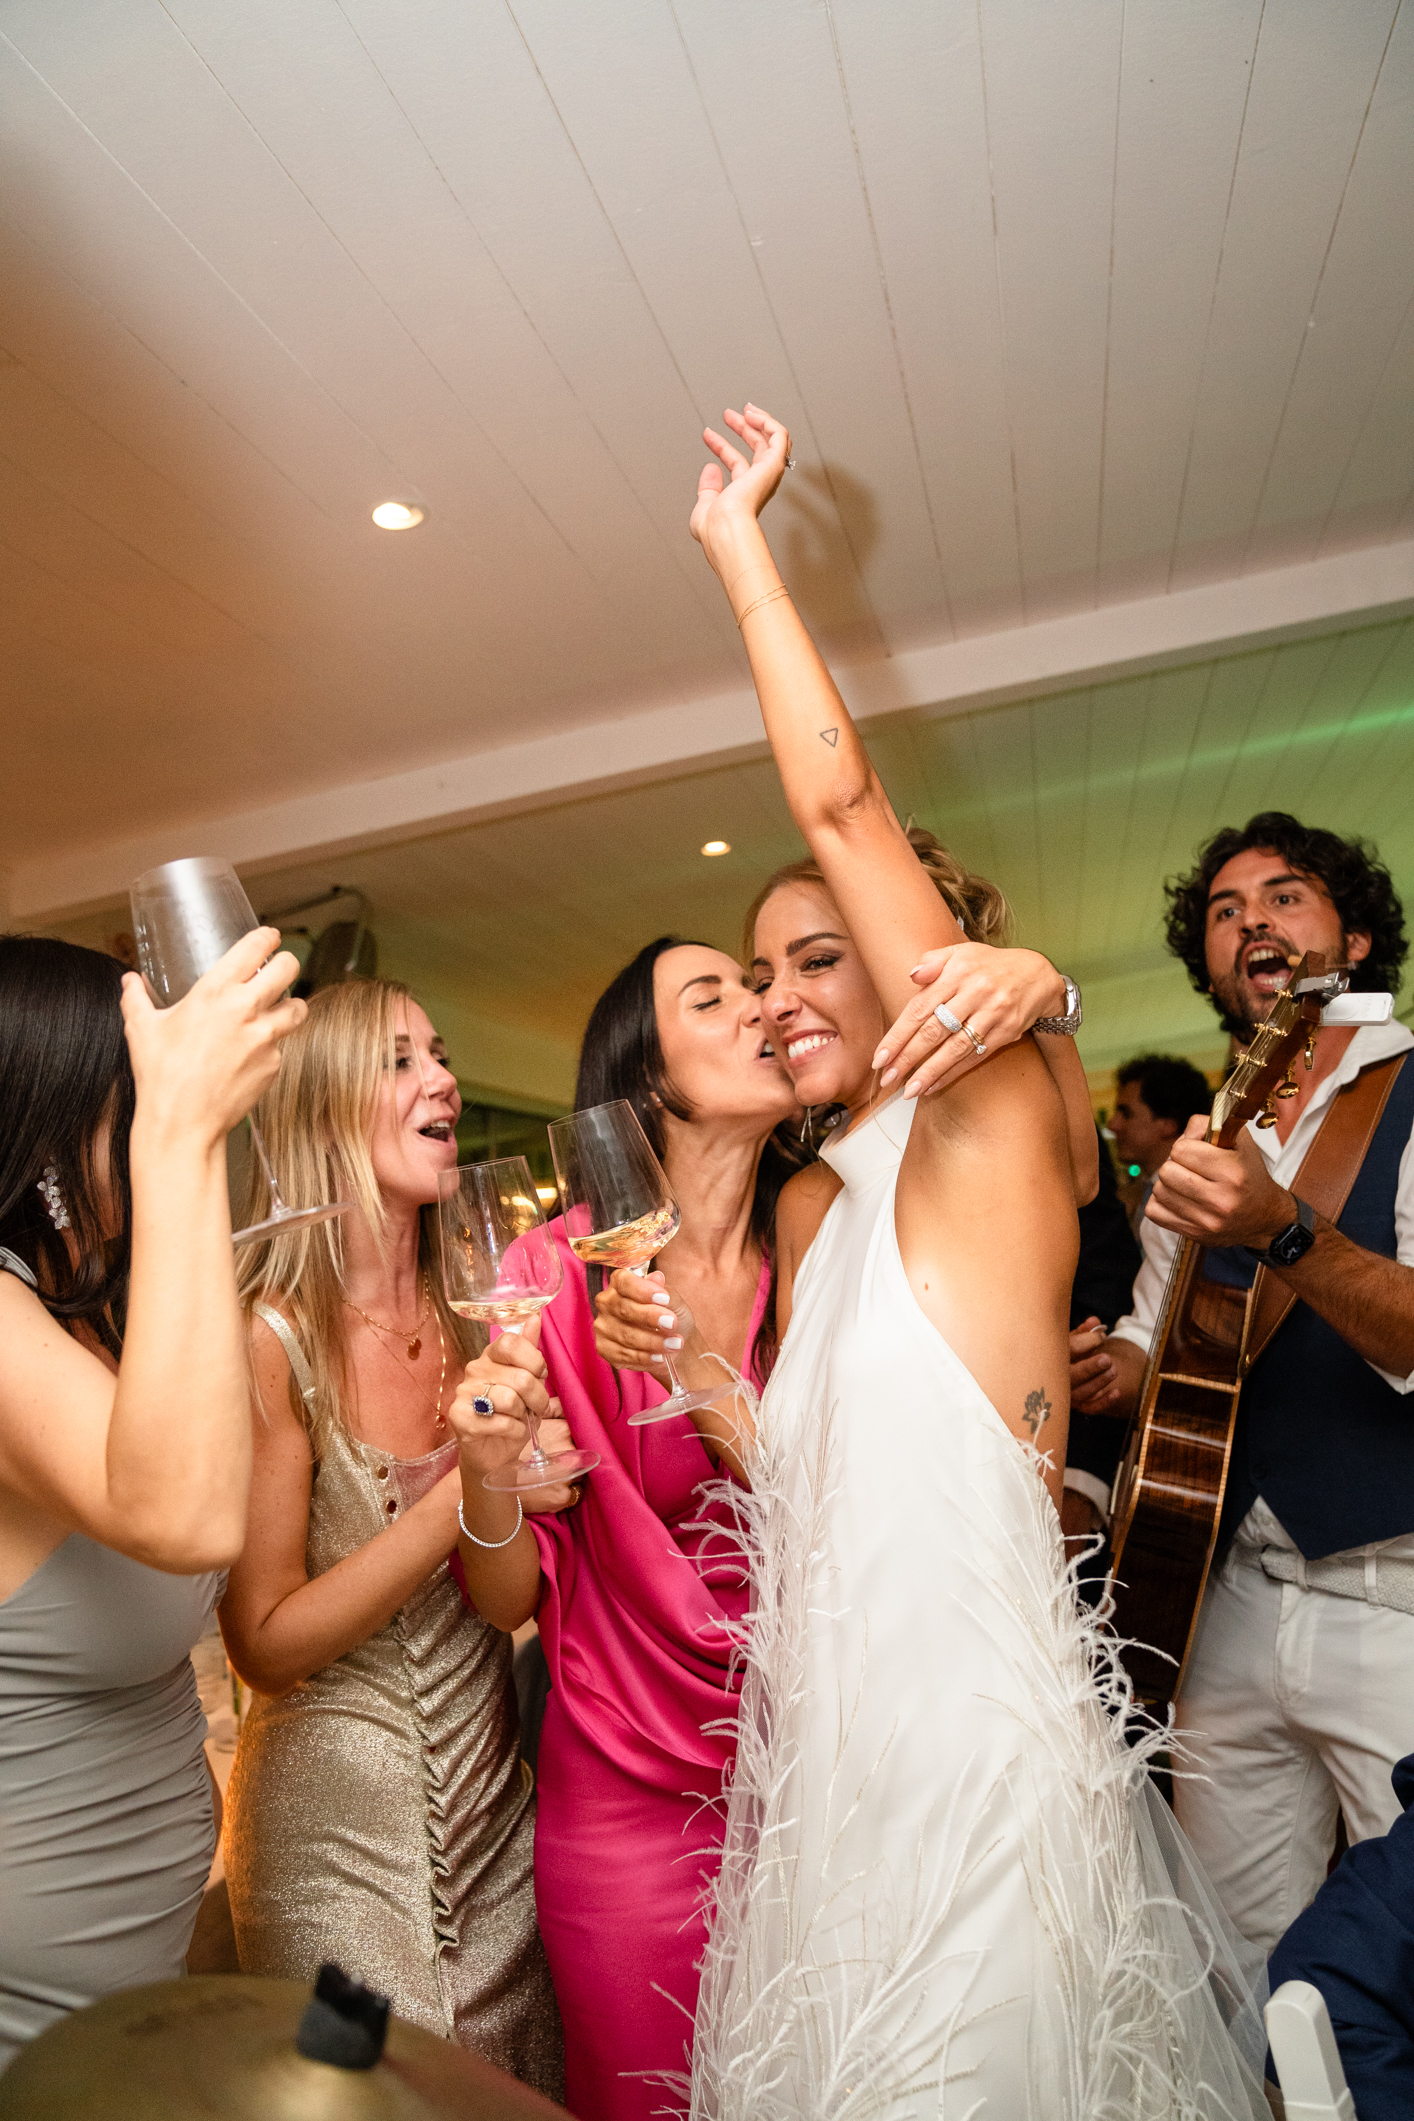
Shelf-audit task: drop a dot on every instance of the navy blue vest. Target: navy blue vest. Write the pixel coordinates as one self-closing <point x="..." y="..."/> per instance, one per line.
<point x="1326" y="1443"/>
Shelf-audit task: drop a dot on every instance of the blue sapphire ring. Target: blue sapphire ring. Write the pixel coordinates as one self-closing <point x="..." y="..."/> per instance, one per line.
<point x="482" y="1404"/>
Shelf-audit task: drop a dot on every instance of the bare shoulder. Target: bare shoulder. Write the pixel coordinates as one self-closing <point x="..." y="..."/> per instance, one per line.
<point x="276" y="1394"/>
<point x="40" y="1356"/>
<point x="803" y="1204"/>
<point x="802" y="1207"/>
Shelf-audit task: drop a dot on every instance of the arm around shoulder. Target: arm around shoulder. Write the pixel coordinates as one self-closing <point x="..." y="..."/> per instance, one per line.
<point x="1060" y="1056"/>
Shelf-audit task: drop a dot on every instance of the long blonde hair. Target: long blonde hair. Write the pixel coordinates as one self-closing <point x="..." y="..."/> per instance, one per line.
<point x="978" y="906"/>
<point x="317" y="1121"/>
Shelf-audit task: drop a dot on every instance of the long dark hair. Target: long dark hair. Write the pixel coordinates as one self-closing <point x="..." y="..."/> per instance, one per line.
<point x="64" y="1070"/>
<point x="622" y="1056"/>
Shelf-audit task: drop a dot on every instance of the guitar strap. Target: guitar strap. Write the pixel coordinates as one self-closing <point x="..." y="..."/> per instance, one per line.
<point x="1328" y="1171"/>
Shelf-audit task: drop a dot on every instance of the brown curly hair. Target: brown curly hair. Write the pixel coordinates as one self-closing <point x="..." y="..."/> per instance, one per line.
<point x="980" y="909"/>
<point x="1351" y="870"/>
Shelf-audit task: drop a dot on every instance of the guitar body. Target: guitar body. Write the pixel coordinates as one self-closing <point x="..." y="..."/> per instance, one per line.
<point x="1168" y="1497"/>
<point x="1169" y="1494"/>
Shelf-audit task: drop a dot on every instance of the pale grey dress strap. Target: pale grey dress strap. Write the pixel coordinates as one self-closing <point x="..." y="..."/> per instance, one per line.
<point x="285" y="1333"/>
<point x="11" y="1263"/>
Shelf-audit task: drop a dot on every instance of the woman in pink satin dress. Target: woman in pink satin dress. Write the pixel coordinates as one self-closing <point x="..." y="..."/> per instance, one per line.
<point x="634" y="1611"/>
<point x="636" y="1602"/>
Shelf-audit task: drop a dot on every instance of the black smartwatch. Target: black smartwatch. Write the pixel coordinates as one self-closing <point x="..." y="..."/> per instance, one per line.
<point x="1290" y="1244"/>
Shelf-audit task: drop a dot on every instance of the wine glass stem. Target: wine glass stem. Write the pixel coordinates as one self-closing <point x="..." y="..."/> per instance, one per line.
<point x="277" y="1205"/>
<point x="674" y="1381"/>
<point x="537" y="1456"/>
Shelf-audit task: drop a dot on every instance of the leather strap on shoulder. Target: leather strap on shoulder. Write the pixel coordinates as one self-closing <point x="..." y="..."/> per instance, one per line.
<point x="285" y="1333"/>
<point x="1329" y="1169"/>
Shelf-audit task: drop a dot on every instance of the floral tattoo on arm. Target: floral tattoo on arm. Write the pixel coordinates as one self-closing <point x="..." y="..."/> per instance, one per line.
<point x="1038" y="1411"/>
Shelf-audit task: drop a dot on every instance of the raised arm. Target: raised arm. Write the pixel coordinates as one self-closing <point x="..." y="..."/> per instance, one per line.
<point x="889" y="904"/>
<point x="155" y="1462"/>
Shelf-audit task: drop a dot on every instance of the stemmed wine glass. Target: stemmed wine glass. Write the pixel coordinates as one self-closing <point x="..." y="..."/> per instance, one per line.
<point x="619" y="1210"/>
<point x="499" y="1263"/>
<point x="186" y="916"/>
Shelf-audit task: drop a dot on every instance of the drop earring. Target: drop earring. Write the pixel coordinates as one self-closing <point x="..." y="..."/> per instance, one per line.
<point x="53" y="1198"/>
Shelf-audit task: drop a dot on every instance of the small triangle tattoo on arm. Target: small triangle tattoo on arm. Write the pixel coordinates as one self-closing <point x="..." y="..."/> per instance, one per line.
<point x="830" y="736"/>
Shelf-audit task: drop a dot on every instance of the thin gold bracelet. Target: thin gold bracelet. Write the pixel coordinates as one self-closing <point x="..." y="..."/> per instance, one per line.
<point x="756" y="567"/>
<point x="770" y="597"/>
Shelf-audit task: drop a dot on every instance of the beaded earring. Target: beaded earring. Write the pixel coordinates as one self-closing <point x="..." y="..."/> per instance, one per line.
<point x="53" y="1198"/>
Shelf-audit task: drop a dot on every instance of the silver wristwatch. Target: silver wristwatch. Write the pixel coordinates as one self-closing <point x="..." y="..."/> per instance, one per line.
<point x="1064" y="1026"/>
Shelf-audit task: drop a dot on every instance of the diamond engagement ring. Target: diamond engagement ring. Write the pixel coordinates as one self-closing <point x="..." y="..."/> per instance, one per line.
<point x="958" y="1029"/>
<point x="483" y="1405"/>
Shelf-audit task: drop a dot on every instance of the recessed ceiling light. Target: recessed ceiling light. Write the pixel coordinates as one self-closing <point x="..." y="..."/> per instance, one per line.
<point x="397" y="515"/>
<point x="718" y="847"/>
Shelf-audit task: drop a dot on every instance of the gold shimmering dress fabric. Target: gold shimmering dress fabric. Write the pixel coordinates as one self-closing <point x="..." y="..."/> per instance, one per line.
<point x="380" y="1815"/>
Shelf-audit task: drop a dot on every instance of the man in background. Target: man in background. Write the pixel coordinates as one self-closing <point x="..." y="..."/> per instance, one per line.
<point x="1157" y="1096"/>
<point x="1298" y="1698"/>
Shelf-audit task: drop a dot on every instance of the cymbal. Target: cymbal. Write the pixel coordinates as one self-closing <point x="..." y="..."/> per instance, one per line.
<point x="221" y="2047"/>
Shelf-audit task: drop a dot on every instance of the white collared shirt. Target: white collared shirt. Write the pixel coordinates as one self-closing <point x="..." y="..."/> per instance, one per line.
<point x="1372" y="1042"/>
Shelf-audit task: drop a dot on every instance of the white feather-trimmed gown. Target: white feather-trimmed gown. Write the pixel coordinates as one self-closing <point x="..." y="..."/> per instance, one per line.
<point x="943" y="1892"/>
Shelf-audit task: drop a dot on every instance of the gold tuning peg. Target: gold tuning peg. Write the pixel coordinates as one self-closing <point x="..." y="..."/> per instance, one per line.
<point x="1267" y="1117"/>
<point x="1311" y="1048"/>
<point x="1288" y="1087"/>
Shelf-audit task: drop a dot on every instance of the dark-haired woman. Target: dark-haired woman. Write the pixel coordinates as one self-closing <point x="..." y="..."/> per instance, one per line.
<point x="124" y="1450"/>
<point x="638" y="1595"/>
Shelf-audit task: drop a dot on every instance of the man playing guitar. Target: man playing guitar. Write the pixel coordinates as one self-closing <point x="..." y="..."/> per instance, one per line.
<point x="1298" y="1697"/>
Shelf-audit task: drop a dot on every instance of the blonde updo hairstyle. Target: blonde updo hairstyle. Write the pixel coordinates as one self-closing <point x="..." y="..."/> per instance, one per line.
<point x="317" y="1120"/>
<point x="978" y="906"/>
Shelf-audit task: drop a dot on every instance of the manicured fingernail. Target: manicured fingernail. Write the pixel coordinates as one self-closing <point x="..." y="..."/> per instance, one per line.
<point x="665" y="1321"/>
<point x="673" y="1343"/>
<point x="912" y="1089"/>
<point x="887" y="1077"/>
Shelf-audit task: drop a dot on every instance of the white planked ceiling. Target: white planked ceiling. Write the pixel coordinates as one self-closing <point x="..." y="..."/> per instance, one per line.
<point x="1067" y="306"/>
<point x="1080" y="805"/>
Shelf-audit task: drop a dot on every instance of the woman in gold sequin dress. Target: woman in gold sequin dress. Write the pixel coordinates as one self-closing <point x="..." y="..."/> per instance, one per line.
<point x="379" y="1813"/>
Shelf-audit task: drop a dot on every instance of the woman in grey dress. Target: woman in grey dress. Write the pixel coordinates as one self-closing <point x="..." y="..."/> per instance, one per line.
<point x="124" y="1449"/>
<point x="378" y="1812"/>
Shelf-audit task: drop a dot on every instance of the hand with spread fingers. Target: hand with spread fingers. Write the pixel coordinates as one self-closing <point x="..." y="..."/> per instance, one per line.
<point x="636" y="1319"/>
<point x="993" y="996"/>
<point x="488" y="1416"/>
<point x="723" y="501"/>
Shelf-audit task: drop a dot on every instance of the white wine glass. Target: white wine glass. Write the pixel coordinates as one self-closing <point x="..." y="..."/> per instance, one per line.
<point x="500" y="1264"/>
<point x="619" y="1211"/>
<point x="186" y="916"/>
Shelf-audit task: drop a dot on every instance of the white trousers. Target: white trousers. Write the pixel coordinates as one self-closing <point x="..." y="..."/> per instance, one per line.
<point x="1295" y="1707"/>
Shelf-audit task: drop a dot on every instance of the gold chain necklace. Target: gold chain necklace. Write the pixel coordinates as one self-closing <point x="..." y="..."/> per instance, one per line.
<point x="414" y="1340"/>
<point x="436" y="1405"/>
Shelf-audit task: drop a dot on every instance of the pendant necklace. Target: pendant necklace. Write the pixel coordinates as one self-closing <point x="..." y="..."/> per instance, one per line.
<point x="414" y="1340"/>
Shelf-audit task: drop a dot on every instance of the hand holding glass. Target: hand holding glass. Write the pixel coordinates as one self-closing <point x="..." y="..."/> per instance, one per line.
<point x="499" y="1263"/>
<point x="619" y="1210"/>
<point x="186" y="916"/>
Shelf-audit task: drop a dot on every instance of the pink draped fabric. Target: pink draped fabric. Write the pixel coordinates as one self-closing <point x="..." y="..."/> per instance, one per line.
<point x="628" y="1829"/>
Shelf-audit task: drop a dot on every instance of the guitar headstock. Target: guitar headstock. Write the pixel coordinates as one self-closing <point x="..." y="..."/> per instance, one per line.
<point x="1293" y="1018"/>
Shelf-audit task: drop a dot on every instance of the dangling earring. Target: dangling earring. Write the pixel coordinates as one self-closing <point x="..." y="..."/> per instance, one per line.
<point x="53" y="1198"/>
<point x="807" y="1126"/>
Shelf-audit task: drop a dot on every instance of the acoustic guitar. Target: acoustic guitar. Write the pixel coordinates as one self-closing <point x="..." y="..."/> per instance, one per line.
<point x="1168" y="1496"/>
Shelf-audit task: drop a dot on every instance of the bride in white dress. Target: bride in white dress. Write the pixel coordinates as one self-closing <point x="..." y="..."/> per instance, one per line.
<point x="943" y="1894"/>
